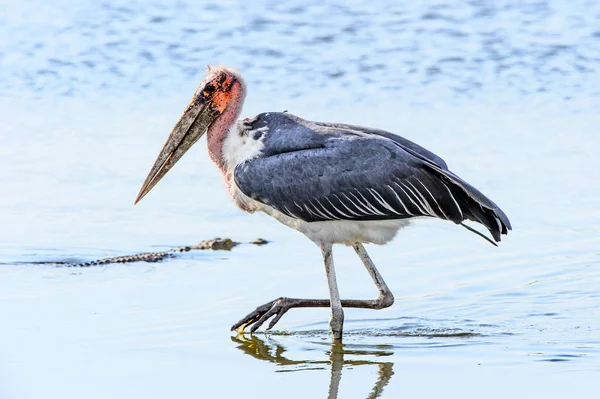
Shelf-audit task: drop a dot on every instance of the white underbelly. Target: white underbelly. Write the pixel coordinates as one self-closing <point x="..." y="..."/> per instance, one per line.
<point x="332" y="231"/>
<point x="346" y="231"/>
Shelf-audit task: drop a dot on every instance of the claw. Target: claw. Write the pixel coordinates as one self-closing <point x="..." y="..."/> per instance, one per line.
<point x="241" y="325"/>
<point x="240" y="329"/>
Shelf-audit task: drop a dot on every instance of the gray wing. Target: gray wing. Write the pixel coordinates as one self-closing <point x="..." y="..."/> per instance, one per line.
<point x="318" y="173"/>
<point x="406" y="144"/>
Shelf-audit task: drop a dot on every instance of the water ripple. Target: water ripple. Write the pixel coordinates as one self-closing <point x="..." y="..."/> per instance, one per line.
<point x="466" y="48"/>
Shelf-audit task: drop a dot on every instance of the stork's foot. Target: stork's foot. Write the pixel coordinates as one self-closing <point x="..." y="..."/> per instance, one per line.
<point x="277" y="307"/>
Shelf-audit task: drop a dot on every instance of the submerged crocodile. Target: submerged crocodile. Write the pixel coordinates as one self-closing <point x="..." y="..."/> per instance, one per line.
<point x="216" y="244"/>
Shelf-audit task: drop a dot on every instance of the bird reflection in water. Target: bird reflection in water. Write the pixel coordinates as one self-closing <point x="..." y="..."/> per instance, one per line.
<point x="274" y="352"/>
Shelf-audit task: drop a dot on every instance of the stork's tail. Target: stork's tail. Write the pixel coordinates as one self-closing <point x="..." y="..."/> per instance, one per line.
<point x="477" y="207"/>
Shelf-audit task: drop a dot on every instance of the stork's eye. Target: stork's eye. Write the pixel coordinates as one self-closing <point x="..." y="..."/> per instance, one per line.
<point x="209" y="89"/>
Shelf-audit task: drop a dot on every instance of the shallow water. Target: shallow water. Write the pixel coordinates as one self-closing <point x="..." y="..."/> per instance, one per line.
<point x="506" y="92"/>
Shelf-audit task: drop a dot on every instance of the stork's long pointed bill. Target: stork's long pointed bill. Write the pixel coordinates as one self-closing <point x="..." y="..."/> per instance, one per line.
<point x="190" y="127"/>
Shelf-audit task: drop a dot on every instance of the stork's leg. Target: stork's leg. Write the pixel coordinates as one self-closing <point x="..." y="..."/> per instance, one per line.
<point x="278" y="307"/>
<point x="337" y="313"/>
<point x="385" y="298"/>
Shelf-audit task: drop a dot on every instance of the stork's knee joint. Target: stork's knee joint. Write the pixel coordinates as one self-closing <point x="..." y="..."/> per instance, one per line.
<point x="385" y="301"/>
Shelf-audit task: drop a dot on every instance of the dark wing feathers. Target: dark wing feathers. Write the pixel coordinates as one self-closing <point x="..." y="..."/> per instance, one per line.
<point x="487" y="212"/>
<point x="319" y="172"/>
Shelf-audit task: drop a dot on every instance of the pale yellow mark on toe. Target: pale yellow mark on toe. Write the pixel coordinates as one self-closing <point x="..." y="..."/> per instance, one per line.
<point x="240" y="329"/>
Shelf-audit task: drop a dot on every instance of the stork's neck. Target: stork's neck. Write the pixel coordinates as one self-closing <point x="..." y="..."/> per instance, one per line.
<point x="219" y="129"/>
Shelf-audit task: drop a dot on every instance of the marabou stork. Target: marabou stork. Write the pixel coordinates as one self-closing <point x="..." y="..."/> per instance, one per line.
<point x="335" y="183"/>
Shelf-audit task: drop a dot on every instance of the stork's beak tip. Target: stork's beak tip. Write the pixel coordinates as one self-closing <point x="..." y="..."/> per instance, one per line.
<point x="138" y="198"/>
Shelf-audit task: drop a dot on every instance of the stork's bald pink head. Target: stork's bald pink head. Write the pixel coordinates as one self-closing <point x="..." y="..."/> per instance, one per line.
<point x="215" y="106"/>
<point x="220" y="87"/>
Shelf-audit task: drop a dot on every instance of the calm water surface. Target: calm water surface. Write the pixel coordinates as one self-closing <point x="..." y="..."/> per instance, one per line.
<point x="506" y="92"/>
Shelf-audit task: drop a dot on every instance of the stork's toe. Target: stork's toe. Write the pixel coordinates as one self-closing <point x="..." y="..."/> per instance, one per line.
<point x="277" y="307"/>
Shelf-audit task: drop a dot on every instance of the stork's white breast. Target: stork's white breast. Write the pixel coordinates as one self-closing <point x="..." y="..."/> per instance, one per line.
<point x="240" y="145"/>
